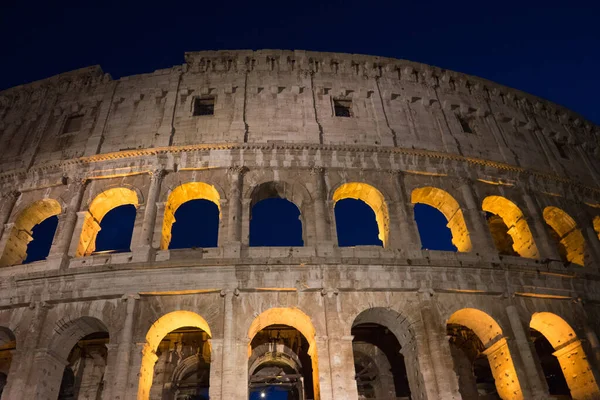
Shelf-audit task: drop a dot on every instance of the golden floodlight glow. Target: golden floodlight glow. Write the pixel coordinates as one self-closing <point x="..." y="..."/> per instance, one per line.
<point x="496" y="350"/>
<point x="295" y="318"/>
<point x="99" y="207"/>
<point x="165" y="324"/>
<point x="182" y="194"/>
<point x="570" y="354"/>
<point x="447" y="205"/>
<point x="518" y="228"/>
<point x="568" y="234"/>
<point x="597" y="225"/>
<point x="15" y="251"/>
<point x="373" y="198"/>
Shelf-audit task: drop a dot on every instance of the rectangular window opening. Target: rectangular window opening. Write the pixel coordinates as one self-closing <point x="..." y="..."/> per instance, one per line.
<point x="73" y="124"/>
<point x="561" y="147"/>
<point x="342" y="108"/>
<point x="204" y="106"/>
<point x="464" y="124"/>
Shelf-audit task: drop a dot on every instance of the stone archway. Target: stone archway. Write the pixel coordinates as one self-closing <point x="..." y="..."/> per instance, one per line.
<point x="570" y="240"/>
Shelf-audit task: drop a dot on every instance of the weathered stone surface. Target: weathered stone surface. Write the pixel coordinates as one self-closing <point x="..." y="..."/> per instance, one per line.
<point x="79" y="144"/>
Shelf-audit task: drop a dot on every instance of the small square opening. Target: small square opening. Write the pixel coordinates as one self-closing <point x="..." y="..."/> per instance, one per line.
<point x="342" y="108"/>
<point x="204" y="106"/>
<point x="464" y="124"/>
<point x="73" y="124"/>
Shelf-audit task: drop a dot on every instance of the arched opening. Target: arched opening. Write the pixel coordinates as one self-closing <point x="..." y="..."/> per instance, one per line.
<point x="509" y="228"/>
<point x="449" y="207"/>
<point x="596" y="223"/>
<point x="433" y="228"/>
<point x="8" y="345"/>
<point x="283" y="356"/>
<point x="180" y="343"/>
<point x="482" y="360"/>
<point x="557" y="343"/>
<point x="120" y="222"/>
<point x="116" y="229"/>
<point x="79" y="350"/>
<point x="569" y="239"/>
<point x="22" y="233"/>
<point x="196" y="225"/>
<point x="274" y="219"/>
<point x="356" y="224"/>
<point x="83" y="377"/>
<point x="189" y="210"/>
<point x="370" y="196"/>
<point x="379" y="366"/>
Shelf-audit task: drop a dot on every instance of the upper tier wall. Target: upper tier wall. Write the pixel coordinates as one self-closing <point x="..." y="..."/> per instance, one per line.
<point x="287" y="96"/>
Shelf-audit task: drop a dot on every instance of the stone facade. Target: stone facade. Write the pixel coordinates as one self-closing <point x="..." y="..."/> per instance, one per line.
<point x="235" y="127"/>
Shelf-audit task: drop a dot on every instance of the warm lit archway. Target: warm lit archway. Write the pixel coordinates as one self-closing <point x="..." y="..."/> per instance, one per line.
<point x="447" y="205"/>
<point x="99" y="207"/>
<point x="570" y="239"/>
<point x="159" y="329"/>
<point x="597" y="225"/>
<point x="373" y="198"/>
<point x="15" y="251"/>
<point x="570" y="354"/>
<point x="182" y="194"/>
<point x="8" y="345"/>
<point x="295" y="318"/>
<point x="493" y="346"/>
<point x="515" y="221"/>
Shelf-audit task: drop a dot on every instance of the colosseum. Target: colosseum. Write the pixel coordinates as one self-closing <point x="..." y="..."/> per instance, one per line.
<point x="512" y="313"/>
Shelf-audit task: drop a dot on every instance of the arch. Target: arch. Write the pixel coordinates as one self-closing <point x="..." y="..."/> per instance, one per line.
<point x="159" y="329"/>
<point x="68" y="334"/>
<point x="15" y="250"/>
<point x="182" y="194"/>
<point x="448" y="206"/>
<point x="98" y="208"/>
<point x="513" y="218"/>
<point x="496" y="348"/>
<point x="569" y="352"/>
<point x="569" y="237"/>
<point x="373" y="197"/>
<point x="268" y="189"/>
<point x="297" y="319"/>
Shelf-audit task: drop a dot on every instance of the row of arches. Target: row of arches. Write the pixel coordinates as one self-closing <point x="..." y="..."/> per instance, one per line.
<point x="283" y="357"/>
<point x="192" y="215"/>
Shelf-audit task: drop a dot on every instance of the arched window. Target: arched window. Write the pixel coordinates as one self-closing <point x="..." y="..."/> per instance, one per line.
<point x="192" y="215"/>
<point x="569" y="239"/>
<point x="120" y="221"/>
<point x="274" y="220"/>
<point x="449" y="207"/>
<point x="26" y="231"/>
<point x="354" y="221"/>
<point x="116" y="229"/>
<point x="557" y="343"/>
<point x="482" y="356"/>
<point x="509" y="228"/>
<point x="433" y="228"/>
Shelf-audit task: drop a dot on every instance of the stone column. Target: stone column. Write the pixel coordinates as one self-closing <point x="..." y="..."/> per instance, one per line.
<point x="577" y="371"/>
<point x="135" y="370"/>
<point x="439" y="349"/>
<point x="59" y="252"/>
<point x="142" y="250"/>
<point x="341" y="362"/>
<point x="234" y="224"/>
<point x="481" y="239"/>
<point x="158" y="225"/>
<point x="594" y="344"/>
<point x="402" y="218"/>
<point x="503" y="370"/>
<point x="323" y="371"/>
<point x="216" y="368"/>
<point x="545" y="244"/>
<point x="119" y="371"/>
<point x="46" y="377"/>
<point x="324" y="232"/>
<point x="229" y="380"/>
<point x="523" y="357"/>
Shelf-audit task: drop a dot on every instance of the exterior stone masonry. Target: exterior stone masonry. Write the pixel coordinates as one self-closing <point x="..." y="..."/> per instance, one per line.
<point x="78" y="144"/>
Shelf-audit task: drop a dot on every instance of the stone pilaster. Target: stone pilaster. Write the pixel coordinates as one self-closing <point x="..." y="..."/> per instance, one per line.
<point x="503" y="370"/>
<point x="230" y="349"/>
<point x="479" y="232"/>
<point x="403" y="228"/>
<point x="142" y="249"/>
<point x="46" y="376"/>
<point x="324" y="228"/>
<point x="164" y="134"/>
<point x="235" y="222"/>
<point x="545" y="243"/>
<point x="341" y="361"/>
<point x="577" y="371"/>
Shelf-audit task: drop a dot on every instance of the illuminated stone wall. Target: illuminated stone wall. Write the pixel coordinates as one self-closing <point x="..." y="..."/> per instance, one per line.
<point x="79" y="144"/>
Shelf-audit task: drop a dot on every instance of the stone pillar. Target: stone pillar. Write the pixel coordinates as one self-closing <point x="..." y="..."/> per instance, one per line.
<point x="503" y="370"/>
<point x="158" y="225"/>
<point x="142" y="250"/>
<point x="577" y="371"/>
<point x="229" y="380"/>
<point x="523" y="357"/>
<point x="119" y="371"/>
<point x="58" y="256"/>
<point x="234" y="224"/>
<point x="481" y="239"/>
<point x="341" y="362"/>
<point x="545" y="244"/>
<point x="404" y="233"/>
<point x="322" y="370"/>
<point x="594" y="344"/>
<point x="439" y="349"/>
<point x="20" y="378"/>
<point x="7" y="203"/>
<point x="47" y="375"/>
<point x="216" y="368"/>
<point x="324" y="232"/>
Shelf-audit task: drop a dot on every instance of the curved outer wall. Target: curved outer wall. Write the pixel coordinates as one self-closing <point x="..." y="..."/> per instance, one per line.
<point x="274" y="121"/>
